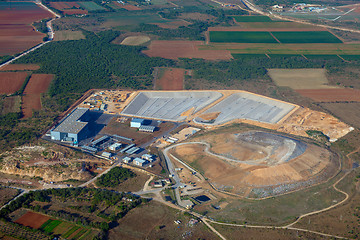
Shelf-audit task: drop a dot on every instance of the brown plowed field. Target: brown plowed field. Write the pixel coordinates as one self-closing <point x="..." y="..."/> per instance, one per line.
<point x="33" y="220"/>
<point x="74" y="11"/>
<point x="331" y="95"/>
<point x="172" y="79"/>
<point x="38" y="83"/>
<point x="20" y="67"/>
<point x="127" y="6"/>
<point x="10" y="82"/>
<point x="64" y="5"/>
<point x="16" y="33"/>
<point x="184" y="49"/>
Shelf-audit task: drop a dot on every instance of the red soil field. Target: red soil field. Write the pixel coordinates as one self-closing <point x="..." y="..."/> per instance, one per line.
<point x="16" y="33"/>
<point x="19" y="67"/>
<point x="127" y="6"/>
<point x="59" y="5"/>
<point x="172" y="79"/>
<point x="64" y="5"/>
<point x="74" y="11"/>
<point x="38" y="83"/>
<point x="10" y="82"/>
<point x="331" y="95"/>
<point x="184" y="49"/>
<point x="240" y="29"/>
<point x="33" y="220"/>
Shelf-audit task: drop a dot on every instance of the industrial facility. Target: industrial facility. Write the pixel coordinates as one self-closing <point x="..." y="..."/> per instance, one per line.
<point x="73" y="128"/>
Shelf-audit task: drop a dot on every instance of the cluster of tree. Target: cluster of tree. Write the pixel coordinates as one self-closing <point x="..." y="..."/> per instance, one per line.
<point x="253" y="67"/>
<point x="114" y="177"/>
<point x="93" y="63"/>
<point x="97" y="197"/>
<point x="41" y="26"/>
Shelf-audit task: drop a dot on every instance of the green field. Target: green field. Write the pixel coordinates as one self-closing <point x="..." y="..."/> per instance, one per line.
<point x="91" y="6"/>
<point x="49" y="225"/>
<point x="71" y="231"/>
<point x="241" y="37"/>
<point x="252" y="19"/>
<point x="306" y="37"/>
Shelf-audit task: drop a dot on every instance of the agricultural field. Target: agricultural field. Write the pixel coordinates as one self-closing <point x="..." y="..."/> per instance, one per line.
<point x="20" y="67"/>
<point x="68" y="35"/>
<point x="300" y="78"/>
<point x="306" y="37"/>
<point x="91" y="6"/>
<point x="184" y="49"/>
<point x="50" y="225"/>
<point x="241" y="37"/>
<point x="32" y="220"/>
<point x="285" y="37"/>
<point x="331" y="95"/>
<point x="6" y="194"/>
<point x="16" y="32"/>
<point x="252" y="19"/>
<point x="10" y="104"/>
<point x="117" y="5"/>
<point x="37" y="85"/>
<point x="114" y="20"/>
<point x="170" y="79"/>
<point x="135" y="40"/>
<point x="10" y="82"/>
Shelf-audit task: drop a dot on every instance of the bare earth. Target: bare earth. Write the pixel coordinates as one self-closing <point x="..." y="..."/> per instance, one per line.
<point x="300" y="78"/>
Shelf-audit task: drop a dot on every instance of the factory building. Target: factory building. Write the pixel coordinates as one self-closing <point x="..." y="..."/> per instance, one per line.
<point x="73" y="128"/>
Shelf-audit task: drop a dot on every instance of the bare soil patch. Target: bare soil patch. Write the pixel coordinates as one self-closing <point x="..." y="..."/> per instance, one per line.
<point x="20" y="67"/>
<point x="38" y="84"/>
<point x="197" y="16"/>
<point x="32" y="219"/>
<point x="11" y="82"/>
<point x="11" y="104"/>
<point x="251" y="172"/>
<point x="331" y="95"/>
<point x="157" y="222"/>
<point x="184" y="49"/>
<point x="74" y="11"/>
<point x="173" y="24"/>
<point x="171" y="79"/>
<point x="68" y="35"/>
<point x="347" y="112"/>
<point x="300" y="78"/>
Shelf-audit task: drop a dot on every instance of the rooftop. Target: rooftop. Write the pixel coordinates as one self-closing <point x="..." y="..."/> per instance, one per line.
<point x="72" y="124"/>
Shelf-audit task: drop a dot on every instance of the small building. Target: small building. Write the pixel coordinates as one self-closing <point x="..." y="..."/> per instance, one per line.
<point x="115" y="146"/>
<point x="106" y="154"/>
<point x="148" y="128"/>
<point x="140" y="162"/>
<point x="157" y="184"/>
<point x="148" y="157"/>
<point x="136" y="122"/>
<point x="127" y="159"/>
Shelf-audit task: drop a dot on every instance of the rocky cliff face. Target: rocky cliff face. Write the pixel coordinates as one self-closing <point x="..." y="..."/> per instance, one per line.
<point x="46" y="173"/>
